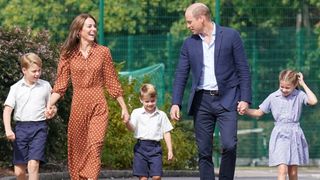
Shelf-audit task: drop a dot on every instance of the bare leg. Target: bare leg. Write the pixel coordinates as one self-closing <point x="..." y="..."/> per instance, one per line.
<point x="143" y="178"/>
<point x="156" y="177"/>
<point x="282" y="171"/>
<point x="33" y="170"/>
<point x="293" y="172"/>
<point x="20" y="172"/>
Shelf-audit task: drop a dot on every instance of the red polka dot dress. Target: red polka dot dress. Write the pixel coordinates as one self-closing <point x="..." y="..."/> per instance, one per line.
<point x="89" y="111"/>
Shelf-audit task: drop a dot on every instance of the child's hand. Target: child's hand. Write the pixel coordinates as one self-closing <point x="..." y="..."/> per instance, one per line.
<point x="170" y="155"/>
<point x="300" y="78"/>
<point x="51" y="112"/>
<point x="10" y="135"/>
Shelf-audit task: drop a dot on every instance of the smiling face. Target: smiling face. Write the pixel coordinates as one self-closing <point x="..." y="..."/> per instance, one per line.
<point x="89" y="30"/>
<point x="149" y="103"/>
<point x="286" y="88"/>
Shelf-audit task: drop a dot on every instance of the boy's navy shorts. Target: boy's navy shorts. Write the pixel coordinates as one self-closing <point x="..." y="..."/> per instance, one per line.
<point x="147" y="159"/>
<point x="31" y="137"/>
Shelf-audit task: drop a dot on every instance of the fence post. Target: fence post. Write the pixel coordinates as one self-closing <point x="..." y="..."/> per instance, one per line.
<point x="101" y="21"/>
<point x="130" y="52"/>
<point x="216" y="137"/>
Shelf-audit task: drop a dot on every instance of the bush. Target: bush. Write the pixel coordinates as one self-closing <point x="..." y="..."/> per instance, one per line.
<point x="14" y="43"/>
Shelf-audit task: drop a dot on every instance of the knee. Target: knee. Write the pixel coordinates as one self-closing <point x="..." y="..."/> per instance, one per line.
<point x="229" y="148"/>
<point x="156" y="178"/>
<point x="33" y="166"/>
<point x="19" y="173"/>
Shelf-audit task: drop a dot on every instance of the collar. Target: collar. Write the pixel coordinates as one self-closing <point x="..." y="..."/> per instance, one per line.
<point x="24" y="82"/>
<point x="145" y="112"/>
<point x="295" y="92"/>
<point x="213" y="34"/>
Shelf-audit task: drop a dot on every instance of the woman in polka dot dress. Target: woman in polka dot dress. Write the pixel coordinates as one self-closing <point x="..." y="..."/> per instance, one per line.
<point x="90" y="68"/>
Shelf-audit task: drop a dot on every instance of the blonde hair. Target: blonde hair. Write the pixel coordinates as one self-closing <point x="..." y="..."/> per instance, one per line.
<point x="200" y="9"/>
<point x="289" y="76"/>
<point x="29" y="59"/>
<point x="148" y="91"/>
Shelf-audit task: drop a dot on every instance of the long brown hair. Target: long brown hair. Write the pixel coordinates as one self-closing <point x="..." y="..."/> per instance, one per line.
<point x="73" y="39"/>
<point x="289" y="76"/>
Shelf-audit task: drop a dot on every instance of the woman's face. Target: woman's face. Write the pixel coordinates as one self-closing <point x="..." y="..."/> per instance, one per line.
<point x="88" y="31"/>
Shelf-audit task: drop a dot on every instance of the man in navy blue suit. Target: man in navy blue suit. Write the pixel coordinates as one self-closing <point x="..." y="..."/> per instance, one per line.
<point x="221" y="87"/>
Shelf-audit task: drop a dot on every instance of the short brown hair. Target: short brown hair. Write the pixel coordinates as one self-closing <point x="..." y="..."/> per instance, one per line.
<point x="28" y="59"/>
<point x="148" y="90"/>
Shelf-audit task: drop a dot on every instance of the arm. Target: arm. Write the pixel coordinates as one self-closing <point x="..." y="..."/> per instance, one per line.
<point x="7" y="111"/>
<point x="312" y="99"/>
<point x="254" y="113"/>
<point x="124" y="111"/>
<point x="167" y="139"/>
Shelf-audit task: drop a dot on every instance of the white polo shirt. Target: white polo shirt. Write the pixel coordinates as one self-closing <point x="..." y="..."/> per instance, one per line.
<point x="29" y="102"/>
<point x="149" y="126"/>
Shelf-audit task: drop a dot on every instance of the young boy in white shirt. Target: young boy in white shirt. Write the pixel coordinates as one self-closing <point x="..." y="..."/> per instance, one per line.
<point x="149" y="125"/>
<point x="28" y="99"/>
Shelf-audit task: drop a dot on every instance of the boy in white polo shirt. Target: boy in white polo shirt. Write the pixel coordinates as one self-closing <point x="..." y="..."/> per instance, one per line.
<point x="150" y="125"/>
<point x="28" y="98"/>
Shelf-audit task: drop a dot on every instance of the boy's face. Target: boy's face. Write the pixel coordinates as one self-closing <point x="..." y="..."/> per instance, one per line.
<point x="286" y="88"/>
<point x="32" y="74"/>
<point x="149" y="103"/>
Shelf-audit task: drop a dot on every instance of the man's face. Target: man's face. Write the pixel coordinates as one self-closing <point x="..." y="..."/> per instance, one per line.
<point x="195" y="25"/>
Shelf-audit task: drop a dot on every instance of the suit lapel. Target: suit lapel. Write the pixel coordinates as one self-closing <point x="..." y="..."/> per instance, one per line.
<point x="217" y="46"/>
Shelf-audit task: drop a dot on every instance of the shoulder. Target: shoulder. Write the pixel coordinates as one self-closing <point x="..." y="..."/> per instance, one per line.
<point x="16" y="84"/>
<point x="137" y="111"/>
<point x="227" y="32"/>
<point x="101" y="48"/>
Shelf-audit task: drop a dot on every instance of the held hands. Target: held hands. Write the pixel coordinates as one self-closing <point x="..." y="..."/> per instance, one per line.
<point x="242" y="107"/>
<point x="51" y="111"/>
<point x="125" y="116"/>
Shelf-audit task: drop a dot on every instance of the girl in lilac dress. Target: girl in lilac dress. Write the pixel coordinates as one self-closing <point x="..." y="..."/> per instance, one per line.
<point x="288" y="147"/>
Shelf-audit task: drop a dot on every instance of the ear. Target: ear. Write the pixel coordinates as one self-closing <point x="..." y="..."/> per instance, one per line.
<point x="141" y="100"/>
<point x="24" y="70"/>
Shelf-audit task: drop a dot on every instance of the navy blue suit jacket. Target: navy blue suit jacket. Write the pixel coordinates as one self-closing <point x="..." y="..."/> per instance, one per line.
<point x="231" y="69"/>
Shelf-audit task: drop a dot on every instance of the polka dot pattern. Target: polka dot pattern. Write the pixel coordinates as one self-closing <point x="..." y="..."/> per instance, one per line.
<point x="89" y="111"/>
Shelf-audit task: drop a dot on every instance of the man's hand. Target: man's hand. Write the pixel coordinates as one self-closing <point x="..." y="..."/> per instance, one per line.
<point x="175" y="112"/>
<point x="242" y="107"/>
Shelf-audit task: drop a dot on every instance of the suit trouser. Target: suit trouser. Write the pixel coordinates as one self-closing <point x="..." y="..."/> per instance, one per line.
<point x="207" y="112"/>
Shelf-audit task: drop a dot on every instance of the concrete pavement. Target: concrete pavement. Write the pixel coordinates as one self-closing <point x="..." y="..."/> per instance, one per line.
<point x="242" y="173"/>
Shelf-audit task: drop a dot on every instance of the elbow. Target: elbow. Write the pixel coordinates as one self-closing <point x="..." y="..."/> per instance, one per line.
<point x="313" y="102"/>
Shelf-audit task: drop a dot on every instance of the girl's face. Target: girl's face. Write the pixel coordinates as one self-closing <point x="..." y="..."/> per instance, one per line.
<point x="89" y="30"/>
<point x="286" y="88"/>
<point x="149" y="103"/>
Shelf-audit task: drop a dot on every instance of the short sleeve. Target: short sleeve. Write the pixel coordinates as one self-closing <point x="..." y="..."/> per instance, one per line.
<point x="11" y="100"/>
<point x="166" y="124"/>
<point x="134" y="119"/>
<point x="265" y="106"/>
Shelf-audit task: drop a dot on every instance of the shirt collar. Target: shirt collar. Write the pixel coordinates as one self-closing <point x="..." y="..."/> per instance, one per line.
<point x="24" y="83"/>
<point x="213" y="32"/>
<point x="145" y="112"/>
<point x="294" y="93"/>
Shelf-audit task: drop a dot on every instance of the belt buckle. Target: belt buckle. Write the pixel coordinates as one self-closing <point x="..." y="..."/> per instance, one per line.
<point x="213" y="93"/>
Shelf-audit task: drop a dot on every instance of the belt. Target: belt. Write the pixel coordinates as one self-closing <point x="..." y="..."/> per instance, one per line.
<point x="211" y="92"/>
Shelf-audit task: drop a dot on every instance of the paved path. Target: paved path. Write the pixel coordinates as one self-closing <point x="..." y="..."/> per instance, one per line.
<point x="242" y="173"/>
